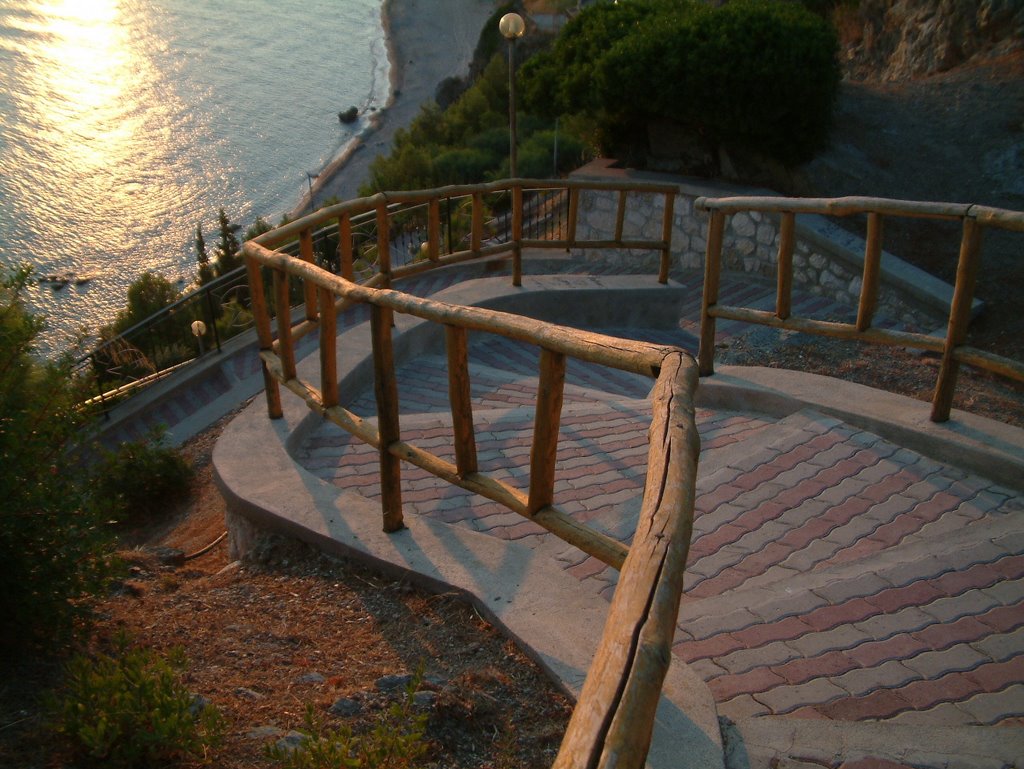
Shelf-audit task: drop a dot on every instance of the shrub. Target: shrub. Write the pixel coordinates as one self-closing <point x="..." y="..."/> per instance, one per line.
<point x="396" y="740"/>
<point x="147" y="295"/>
<point x="756" y="75"/>
<point x="131" y="710"/>
<point x="462" y="166"/>
<point x="53" y="550"/>
<point x="141" y="479"/>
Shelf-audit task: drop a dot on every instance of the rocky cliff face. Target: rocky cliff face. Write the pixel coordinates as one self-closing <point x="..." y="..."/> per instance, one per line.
<point x="900" y="39"/>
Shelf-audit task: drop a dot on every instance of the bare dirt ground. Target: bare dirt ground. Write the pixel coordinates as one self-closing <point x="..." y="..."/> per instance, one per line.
<point x="292" y="628"/>
<point x="956" y="136"/>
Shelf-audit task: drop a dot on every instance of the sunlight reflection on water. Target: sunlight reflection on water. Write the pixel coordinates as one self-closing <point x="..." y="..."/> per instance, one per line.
<point x="125" y="123"/>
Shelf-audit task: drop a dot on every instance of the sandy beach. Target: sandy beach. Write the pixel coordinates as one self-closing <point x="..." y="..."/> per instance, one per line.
<point x="428" y="40"/>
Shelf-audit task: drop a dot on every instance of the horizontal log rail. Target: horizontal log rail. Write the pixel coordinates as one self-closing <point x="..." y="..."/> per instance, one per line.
<point x="613" y="721"/>
<point x="952" y="347"/>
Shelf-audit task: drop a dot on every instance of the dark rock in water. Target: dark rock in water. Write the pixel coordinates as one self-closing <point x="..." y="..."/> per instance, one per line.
<point x="349" y="115"/>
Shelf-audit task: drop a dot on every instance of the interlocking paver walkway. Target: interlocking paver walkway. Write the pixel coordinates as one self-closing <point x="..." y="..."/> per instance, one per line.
<point x="877" y="560"/>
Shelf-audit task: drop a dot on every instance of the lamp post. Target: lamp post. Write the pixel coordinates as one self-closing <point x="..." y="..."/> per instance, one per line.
<point x="511" y="27"/>
<point x="309" y="180"/>
<point x="198" y="330"/>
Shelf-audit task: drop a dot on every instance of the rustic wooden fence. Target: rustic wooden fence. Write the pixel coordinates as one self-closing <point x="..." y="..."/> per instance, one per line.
<point x="613" y="720"/>
<point x="953" y="347"/>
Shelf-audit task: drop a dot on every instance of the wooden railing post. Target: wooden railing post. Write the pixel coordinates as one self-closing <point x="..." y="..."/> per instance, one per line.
<point x="612" y="723"/>
<point x="459" y="395"/>
<point x="386" y="390"/>
<point x="666" y="236"/>
<point x="308" y="288"/>
<point x="712" y="274"/>
<point x="574" y="211"/>
<point x="328" y="349"/>
<point x="517" y="235"/>
<point x="261" y="318"/>
<point x="872" y="269"/>
<point x="345" y="246"/>
<point x="545" y="430"/>
<point x="959" y="318"/>
<point x="784" y="275"/>
<point x="285" y="345"/>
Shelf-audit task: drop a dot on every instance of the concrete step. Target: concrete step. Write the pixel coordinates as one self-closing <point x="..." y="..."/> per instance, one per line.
<point x="774" y="743"/>
<point x="510" y="383"/>
<point x="849" y="579"/>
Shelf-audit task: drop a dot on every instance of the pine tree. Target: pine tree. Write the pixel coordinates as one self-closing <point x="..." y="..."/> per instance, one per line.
<point x="203" y="258"/>
<point x="227" y="251"/>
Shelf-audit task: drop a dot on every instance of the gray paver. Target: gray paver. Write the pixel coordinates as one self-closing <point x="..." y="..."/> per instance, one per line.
<point x="857" y="587"/>
<point x="882" y="626"/>
<point x="784" y="699"/>
<point x="889" y="675"/>
<point x="952" y="608"/>
<point x="842" y="637"/>
<point x="774" y="653"/>
<point x="1001" y="646"/>
<point x="998" y="706"/>
<point x="943" y="714"/>
<point x="957" y="658"/>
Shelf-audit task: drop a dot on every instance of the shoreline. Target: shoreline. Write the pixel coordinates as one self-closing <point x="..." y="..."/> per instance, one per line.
<point x="336" y="164"/>
<point x="442" y="35"/>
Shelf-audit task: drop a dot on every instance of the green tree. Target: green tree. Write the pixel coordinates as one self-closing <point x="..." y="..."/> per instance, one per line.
<point x="53" y="550"/>
<point x="203" y="258"/>
<point x="147" y="295"/>
<point x="257" y="228"/>
<point x="750" y="75"/>
<point x="227" y="250"/>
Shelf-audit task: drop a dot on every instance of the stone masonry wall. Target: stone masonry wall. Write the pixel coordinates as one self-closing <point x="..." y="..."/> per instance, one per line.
<point x="750" y="245"/>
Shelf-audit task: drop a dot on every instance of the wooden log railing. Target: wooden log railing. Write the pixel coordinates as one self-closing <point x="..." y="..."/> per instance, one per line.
<point x="952" y="347"/>
<point x="613" y="721"/>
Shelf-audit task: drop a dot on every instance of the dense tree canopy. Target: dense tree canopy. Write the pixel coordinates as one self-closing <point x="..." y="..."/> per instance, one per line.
<point x="51" y="546"/>
<point x="469" y="142"/>
<point x="751" y="74"/>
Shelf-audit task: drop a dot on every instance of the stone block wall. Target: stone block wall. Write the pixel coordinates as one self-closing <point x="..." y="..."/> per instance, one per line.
<point x="827" y="261"/>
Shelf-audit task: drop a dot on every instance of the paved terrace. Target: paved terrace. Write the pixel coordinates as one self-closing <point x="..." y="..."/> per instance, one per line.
<point x="855" y="587"/>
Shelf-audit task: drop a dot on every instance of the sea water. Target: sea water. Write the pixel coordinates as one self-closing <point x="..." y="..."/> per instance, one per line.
<point x="124" y="124"/>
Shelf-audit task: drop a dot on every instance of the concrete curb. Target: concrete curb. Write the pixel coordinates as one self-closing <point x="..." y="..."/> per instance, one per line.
<point x="991" y="449"/>
<point x="779" y="741"/>
<point x="517" y="588"/>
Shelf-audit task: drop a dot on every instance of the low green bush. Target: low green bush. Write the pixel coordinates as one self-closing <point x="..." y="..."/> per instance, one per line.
<point x="395" y="741"/>
<point x="54" y="551"/>
<point x="754" y="75"/>
<point x="140" y="479"/>
<point x="131" y="710"/>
